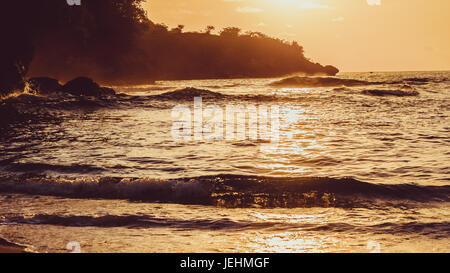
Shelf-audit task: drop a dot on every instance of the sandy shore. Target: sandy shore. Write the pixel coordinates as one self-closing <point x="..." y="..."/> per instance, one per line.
<point x="7" y="247"/>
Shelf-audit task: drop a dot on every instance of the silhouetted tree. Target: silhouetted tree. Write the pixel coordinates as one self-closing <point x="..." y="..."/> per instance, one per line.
<point x="209" y="29"/>
<point x="230" y="32"/>
<point x="178" y="29"/>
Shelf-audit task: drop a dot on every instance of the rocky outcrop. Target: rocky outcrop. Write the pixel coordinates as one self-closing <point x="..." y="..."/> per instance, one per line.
<point x="43" y="86"/>
<point x="82" y="86"/>
<point x="330" y="70"/>
<point x="10" y="78"/>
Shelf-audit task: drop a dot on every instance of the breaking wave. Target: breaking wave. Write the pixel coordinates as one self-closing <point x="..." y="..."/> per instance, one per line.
<point x="231" y="190"/>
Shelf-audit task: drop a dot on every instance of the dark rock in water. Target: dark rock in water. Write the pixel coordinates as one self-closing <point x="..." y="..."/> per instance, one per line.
<point x="44" y="86"/>
<point x="310" y="82"/>
<point x="190" y="93"/>
<point x="83" y="86"/>
<point x="397" y="93"/>
<point x="331" y="70"/>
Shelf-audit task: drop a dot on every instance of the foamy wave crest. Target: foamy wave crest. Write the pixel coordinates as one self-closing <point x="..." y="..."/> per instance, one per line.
<point x="231" y="190"/>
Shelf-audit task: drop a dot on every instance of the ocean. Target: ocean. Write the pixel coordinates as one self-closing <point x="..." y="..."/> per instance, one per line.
<point x="361" y="168"/>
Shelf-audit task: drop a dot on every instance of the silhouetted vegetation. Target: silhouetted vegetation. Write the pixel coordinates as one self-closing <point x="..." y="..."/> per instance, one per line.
<point x="113" y="41"/>
<point x="80" y="40"/>
<point x="173" y="54"/>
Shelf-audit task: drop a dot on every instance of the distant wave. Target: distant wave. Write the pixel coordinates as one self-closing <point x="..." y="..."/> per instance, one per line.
<point x="189" y="93"/>
<point x="311" y="82"/>
<point x="230" y="190"/>
<point x="224" y="86"/>
<point x="391" y="92"/>
<point x="425" y="80"/>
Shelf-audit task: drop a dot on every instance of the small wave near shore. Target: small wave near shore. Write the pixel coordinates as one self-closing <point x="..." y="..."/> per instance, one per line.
<point x="231" y="190"/>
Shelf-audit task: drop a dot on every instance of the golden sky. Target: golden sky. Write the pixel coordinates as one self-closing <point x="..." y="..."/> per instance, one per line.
<point x="354" y="35"/>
